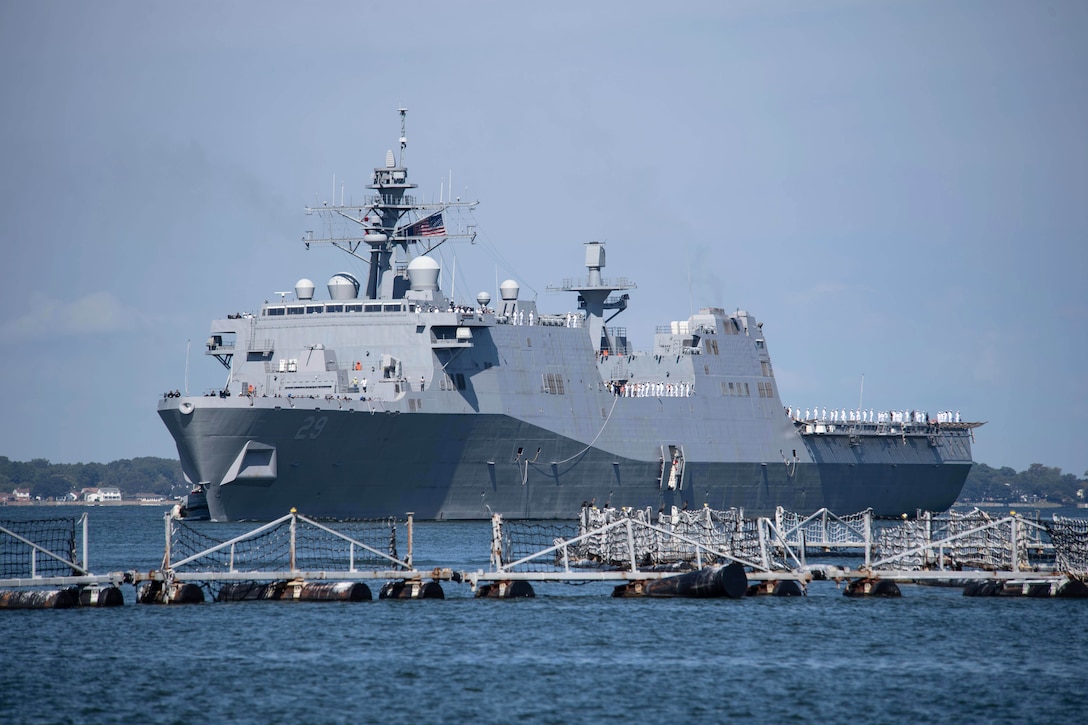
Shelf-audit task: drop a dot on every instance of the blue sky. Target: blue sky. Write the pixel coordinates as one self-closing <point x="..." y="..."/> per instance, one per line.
<point x="896" y="189"/>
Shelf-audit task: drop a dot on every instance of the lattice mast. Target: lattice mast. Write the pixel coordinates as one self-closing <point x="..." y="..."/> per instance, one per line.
<point x="389" y="223"/>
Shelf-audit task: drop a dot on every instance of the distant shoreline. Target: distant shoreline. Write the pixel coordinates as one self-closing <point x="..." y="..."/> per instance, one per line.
<point x="1011" y="505"/>
<point x="88" y="503"/>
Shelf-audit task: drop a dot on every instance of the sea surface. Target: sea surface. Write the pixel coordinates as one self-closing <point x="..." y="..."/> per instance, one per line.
<point x="571" y="655"/>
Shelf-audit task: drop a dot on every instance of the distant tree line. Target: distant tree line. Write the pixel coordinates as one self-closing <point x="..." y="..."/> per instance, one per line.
<point x="1037" y="483"/>
<point x="132" y="476"/>
<point x="163" y="475"/>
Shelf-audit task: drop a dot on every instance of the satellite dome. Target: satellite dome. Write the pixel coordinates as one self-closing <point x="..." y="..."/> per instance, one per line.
<point x="343" y="286"/>
<point x="423" y="273"/>
<point x="304" y="289"/>
<point x="509" y="290"/>
<point x="482" y="299"/>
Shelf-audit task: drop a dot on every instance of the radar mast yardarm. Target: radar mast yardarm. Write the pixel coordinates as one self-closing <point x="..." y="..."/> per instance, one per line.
<point x="391" y="221"/>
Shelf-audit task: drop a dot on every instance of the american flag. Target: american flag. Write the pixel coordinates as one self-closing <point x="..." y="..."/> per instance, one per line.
<point x="431" y="226"/>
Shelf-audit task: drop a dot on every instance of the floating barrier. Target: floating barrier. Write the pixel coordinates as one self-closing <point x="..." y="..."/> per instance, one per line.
<point x="727" y="581"/>
<point x="697" y="554"/>
<point x="1060" y="589"/>
<point x="411" y="590"/>
<point x="158" y="592"/>
<point x="506" y="590"/>
<point x="251" y="591"/>
<point x="779" y="588"/>
<point x="96" y="596"/>
<point x="294" y="591"/>
<point x="40" y="598"/>
<point x="869" y="587"/>
<point x="335" y="592"/>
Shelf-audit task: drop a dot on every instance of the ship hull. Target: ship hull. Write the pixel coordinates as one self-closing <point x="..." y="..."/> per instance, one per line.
<point x="330" y="459"/>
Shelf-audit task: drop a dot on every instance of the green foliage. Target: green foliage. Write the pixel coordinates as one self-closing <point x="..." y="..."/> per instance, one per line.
<point x="131" y="476"/>
<point x="1038" y="482"/>
<point x="51" y="486"/>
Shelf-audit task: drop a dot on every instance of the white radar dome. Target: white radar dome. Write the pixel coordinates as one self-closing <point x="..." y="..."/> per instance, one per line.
<point x="304" y="289"/>
<point x="343" y="286"/>
<point x="423" y="274"/>
<point x="509" y="290"/>
<point x="482" y="299"/>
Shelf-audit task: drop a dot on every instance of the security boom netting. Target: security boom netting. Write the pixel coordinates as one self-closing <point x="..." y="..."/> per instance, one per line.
<point x="1070" y="539"/>
<point x="617" y="538"/>
<point x="268" y="549"/>
<point x="965" y="540"/>
<point x="21" y="560"/>
<point x="824" y="528"/>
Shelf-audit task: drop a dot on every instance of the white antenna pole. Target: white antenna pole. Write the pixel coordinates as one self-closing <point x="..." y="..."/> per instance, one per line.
<point x="188" y="344"/>
<point x="333" y="199"/>
<point x="453" y="281"/>
<point x="861" y="395"/>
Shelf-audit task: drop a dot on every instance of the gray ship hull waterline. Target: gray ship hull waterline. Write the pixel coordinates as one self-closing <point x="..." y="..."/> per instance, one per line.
<point x="401" y="400"/>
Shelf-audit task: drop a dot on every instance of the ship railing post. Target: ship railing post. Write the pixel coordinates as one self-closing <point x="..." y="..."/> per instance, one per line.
<point x="496" y="542"/>
<point x="169" y="532"/>
<point x="801" y="544"/>
<point x="868" y="537"/>
<point x="86" y="556"/>
<point x="631" y="545"/>
<point x="294" y="532"/>
<point x="1014" y="563"/>
<point x="763" y="525"/>
<point x="929" y="537"/>
<point x="411" y="518"/>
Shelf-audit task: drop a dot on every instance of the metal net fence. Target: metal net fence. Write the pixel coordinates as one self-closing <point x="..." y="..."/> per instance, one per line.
<point x="523" y="539"/>
<point x="19" y="559"/>
<point x="620" y="538"/>
<point x="1070" y="539"/>
<point x="824" y="528"/>
<point x="292" y="543"/>
<point x="964" y="540"/>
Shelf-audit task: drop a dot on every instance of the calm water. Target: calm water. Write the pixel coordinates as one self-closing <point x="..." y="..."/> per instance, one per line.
<point x="573" y="654"/>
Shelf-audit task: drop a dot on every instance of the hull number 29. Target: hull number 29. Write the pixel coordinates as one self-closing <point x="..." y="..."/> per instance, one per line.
<point x="311" y="428"/>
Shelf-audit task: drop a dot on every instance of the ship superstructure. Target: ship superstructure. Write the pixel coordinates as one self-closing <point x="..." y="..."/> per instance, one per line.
<point x="389" y="397"/>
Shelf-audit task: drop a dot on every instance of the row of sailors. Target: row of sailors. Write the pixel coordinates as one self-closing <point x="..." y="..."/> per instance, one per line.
<point x="869" y="416"/>
<point x="651" y="390"/>
<point x="518" y="317"/>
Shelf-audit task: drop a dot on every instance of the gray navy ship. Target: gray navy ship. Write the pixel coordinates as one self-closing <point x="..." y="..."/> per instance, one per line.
<point x="391" y="397"/>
